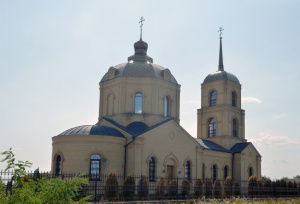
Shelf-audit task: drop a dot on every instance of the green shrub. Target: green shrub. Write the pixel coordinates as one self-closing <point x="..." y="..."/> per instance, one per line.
<point x="236" y="189"/>
<point x="252" y="187"/>
<point x="172" y="189"/>
<point x="42" y="190"/>
<point x="160" y="188"/>
<point x="217" y="189"/>
<point x="227" y="192"/>
<point x="185" y="188"/>
<point x="208" y="187"/>
<point x="143" y="188"/>
<point x="111" y="187"/>
<point x="128" y="188"/>
<point x="198" y="188"/>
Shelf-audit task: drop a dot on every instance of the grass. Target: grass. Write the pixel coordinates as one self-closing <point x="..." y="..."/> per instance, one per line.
<point x="245" y="200"/>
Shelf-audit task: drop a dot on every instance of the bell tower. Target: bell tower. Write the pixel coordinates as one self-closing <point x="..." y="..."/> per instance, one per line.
<point x="221" y="118"/>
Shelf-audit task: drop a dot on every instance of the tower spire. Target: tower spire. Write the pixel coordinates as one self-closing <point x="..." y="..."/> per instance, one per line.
<point x="221" y="66"/>
<point x="141" y="22"/>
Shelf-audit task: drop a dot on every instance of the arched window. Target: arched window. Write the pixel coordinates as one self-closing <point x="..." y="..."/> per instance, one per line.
<point x="138" y="103"/>
<point x="212" y="128"/>
<point x="58" y="165"/>
<point x="233" y="99"/>
<point x="214" y="173"/>
<point x="213" y="98"/>
<point x="250" y="171"/>
<point x="151" y="169"/>
<point x="95" y="165"/>
<point x="203" y="171"/>
<point x="167" y="107"/>
<point x="188" y="170"/>
<point x="234" y="128"/>
<point x="225" y="172"/>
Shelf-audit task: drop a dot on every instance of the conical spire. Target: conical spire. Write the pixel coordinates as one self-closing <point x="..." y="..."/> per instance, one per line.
<point x="221" y="66"/>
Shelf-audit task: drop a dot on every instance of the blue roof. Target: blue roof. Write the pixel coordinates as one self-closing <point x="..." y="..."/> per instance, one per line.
<point x="93" y="130"/>
<point x="209" y="145"/>
<point x="137" y="127"/>
<point x="239" y="147"/>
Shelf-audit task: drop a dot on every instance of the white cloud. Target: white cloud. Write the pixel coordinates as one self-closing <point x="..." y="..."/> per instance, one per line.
<point x="267" y="139"/>
<point x="278" y="116"/>
<point x="250" y="100"/>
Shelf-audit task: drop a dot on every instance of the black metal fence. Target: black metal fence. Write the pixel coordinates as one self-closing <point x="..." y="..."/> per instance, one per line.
<point x="140" y="188"/>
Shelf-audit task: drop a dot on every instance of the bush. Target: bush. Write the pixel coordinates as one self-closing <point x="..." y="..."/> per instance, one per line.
<point x="236" y="189"/>
<point x="217" y="189"/>
<point x="185" y="188"/>
<point x="172" y="189"/>
<point x="160" y="188"/>
<point x="128" y="188"/>
<point x="252" y="187"/>
<point x="208" y="187"/>
<point x="198" y="188"/>
<point x="42" y="190"/>
<point x="111" y="186"/>
<point x="227" y="187"/>
<point x="143" y="188"/>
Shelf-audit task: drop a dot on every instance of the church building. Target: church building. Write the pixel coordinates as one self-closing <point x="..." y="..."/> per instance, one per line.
<point x="138" y="130"/>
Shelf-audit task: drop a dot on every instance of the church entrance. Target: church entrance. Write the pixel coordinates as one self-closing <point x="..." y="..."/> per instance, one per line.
<point x="170" y="173"/>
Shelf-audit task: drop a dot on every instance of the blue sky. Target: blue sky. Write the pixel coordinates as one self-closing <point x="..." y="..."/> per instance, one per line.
<point x="54" y="53"/>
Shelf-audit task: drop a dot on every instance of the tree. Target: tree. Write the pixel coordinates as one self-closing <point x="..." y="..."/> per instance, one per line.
<point x="185" y="188"/>
<point x="198" y="188"/>
<point x="227" y="187"/>
<point x="217" y="189"/>
<point x="111" y="187"/>
<point x="208" y="187"/>
<point x="172" y="189"/>
<point x="143" y="189"/>
<point x="260" y="186"/>
<point x="296" y="177"/>
<point x="128" y="188"/>
<point x="236" y="189"/>
<point x="160" y="188"/>
<point x="252" y="186"/>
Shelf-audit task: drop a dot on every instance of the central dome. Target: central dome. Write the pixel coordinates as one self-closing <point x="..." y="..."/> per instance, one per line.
<point x="139" y="65"/>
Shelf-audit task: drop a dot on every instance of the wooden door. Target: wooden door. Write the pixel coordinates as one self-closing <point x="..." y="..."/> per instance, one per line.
<point x="170" y="172"/>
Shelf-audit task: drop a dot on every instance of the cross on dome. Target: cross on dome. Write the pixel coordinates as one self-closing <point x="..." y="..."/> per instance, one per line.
<point x="141" y="22"/>
<point x="220" y="31"/>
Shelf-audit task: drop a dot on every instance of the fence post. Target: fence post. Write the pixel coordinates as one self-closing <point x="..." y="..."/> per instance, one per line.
<point x="95" y="189"/>
<point x="177" y="188"/>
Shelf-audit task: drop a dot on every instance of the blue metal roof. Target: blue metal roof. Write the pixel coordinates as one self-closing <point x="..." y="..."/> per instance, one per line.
<point x="239" y="147"/>
<point x="209" y="145"/>
<point x="137" y="127"/>
<point x="93" y="130"/>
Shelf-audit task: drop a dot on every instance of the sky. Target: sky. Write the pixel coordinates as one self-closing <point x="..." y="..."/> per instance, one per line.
<point x="54" y="53"/>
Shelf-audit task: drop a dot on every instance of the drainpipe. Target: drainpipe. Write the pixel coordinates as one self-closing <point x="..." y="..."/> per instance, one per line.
<point x="232" y="165"/>
<point x="125" y="156"/>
